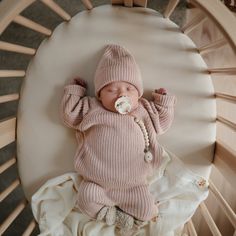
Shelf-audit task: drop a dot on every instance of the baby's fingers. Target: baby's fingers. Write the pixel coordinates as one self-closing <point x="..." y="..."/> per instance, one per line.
<point x="79" y="81"/>
<point x="162" y="91"/>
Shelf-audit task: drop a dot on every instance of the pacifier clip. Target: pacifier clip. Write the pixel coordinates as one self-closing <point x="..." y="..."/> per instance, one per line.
<point x="147" y="154"/>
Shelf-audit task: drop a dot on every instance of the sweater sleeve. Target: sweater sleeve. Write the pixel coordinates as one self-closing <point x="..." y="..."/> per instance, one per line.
<point x="74" y="105"/>
<point x="161" y="111"/>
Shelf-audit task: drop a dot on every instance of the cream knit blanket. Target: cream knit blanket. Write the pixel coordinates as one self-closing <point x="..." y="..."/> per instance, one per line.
<point x="178" y="190"/>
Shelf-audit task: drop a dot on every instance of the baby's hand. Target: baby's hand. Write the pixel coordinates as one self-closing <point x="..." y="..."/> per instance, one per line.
<point x="79" y="81"/>
<point x="162" y="91"/>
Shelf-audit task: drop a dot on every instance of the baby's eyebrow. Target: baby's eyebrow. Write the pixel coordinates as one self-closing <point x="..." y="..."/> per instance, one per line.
<point x="130" y="86"/>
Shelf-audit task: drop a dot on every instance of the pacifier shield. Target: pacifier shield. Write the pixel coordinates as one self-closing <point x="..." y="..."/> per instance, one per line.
<point x="123" y="105"/>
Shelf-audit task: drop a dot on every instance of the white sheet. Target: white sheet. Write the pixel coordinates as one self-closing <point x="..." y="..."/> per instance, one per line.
<point x="175" y="187"/>
<point x="167" y="58"/>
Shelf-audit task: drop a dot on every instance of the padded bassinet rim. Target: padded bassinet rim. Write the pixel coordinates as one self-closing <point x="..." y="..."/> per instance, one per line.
<point x="19" y="1"/>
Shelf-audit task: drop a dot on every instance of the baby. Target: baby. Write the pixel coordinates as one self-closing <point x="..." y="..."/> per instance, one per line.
<point x="117" y="140"/>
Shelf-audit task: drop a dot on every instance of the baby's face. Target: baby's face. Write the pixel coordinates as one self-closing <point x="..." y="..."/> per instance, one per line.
<point x="110" y="93"/>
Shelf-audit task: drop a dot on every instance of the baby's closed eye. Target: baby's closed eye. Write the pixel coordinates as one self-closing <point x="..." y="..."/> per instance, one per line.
<point x="130" y="88"/>
<point x="111" y="90"/>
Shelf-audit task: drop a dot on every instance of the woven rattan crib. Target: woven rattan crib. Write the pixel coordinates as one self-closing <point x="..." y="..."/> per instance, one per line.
<point x="216" y="215"/>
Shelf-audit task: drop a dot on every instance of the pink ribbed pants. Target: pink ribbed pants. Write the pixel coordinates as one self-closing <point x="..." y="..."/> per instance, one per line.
<point x="136" y="201"/>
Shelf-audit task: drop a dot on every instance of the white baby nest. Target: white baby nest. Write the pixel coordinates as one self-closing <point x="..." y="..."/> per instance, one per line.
<point x="167" y="58"/>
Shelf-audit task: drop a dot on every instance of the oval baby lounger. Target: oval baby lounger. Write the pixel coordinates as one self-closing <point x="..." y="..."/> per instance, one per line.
<point x="167" y="58"/>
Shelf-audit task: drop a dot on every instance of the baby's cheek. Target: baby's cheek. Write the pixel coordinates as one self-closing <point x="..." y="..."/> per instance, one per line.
<point x="134" y="102"/>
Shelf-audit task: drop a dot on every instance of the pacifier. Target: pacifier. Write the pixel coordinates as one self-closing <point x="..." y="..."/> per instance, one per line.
<point x="123" y="105"/>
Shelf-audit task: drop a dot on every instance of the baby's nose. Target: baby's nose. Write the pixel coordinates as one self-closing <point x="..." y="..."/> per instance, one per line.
<point x="122" y="93"/>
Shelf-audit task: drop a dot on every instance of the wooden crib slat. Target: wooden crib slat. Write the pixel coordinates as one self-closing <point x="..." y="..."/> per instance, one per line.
<point x="200" y="18"/>
<point x="21" y="20"/>
<point x="223" y="204"/>
<point x="116" y="2"/>
<point x="9" y="97"/>
<point x="209" y="220"/>
<point x="9" y="189"/>
<point x="7" y="132"/>
<point x="87" y="4"/>
<point x="226" y="122"/>
<point x="225" y="162"/>
<point x="226" y="111"/>
<point x="225" y="85"/>
<point x="30" y="228"/>
<point x="191" y="228"/>
<point x="57" y="9"/>
<point x="128" y="3"/>
<point x="7" y="164"/>
<point x="212" y="46"/>
<point x="172" y="4"/>
<point x="12" y="73"/>
<point x="141" y="3"/>
<point x="223" y="71"/>
<point x="226" y="96"/>
<point x="9" y="9"/>
<point x="223" y="19"/>
<point x="226" y="136"/>
<point x="12" y="217"/>
<point x="16" y="48"/>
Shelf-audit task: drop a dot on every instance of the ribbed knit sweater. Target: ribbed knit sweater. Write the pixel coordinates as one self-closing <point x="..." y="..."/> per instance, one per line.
<point x="110" y="145"/>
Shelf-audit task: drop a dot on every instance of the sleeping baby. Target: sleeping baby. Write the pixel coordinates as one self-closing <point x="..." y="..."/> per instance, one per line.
<point x="117" y="140"/>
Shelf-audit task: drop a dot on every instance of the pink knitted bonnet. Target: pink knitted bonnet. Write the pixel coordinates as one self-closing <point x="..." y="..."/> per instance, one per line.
<point x="117" y="64"/>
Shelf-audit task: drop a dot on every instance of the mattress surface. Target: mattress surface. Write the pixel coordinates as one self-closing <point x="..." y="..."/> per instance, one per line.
<point x="167" y="58"/>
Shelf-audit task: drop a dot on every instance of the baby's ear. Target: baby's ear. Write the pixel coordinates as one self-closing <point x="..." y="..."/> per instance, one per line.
<point x="98" y="96"/>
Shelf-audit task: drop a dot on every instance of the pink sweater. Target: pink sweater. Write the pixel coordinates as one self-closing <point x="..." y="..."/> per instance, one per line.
<point x="110" y="145"/>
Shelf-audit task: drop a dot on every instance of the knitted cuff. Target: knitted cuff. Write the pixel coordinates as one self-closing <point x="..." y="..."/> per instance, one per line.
<point x="75" y="90"/>
<point x="164" y="100"/>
